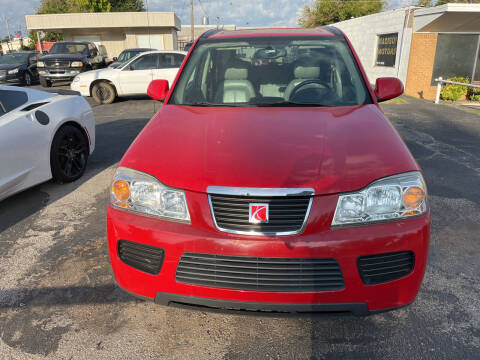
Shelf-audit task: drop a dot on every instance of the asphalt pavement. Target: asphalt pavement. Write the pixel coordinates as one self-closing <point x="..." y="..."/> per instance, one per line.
<point x="58" y="299"/>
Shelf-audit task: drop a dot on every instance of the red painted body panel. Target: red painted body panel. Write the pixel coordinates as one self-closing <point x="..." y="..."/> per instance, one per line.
<point x="328" y="149"/>
<point x="331" y="150"/>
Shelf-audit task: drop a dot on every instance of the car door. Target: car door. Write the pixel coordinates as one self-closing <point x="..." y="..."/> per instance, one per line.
<point x="32" y="65"/>
<point x="95" y="57"/>
<point x="168" y="66"/>
<point x="136" y="76"/>
<point x="24" y="142"/>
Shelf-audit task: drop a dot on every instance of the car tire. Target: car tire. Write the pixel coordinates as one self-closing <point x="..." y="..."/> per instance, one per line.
<point x="104" y="93"/>
<point x="68" y="154"/>
<point x="28" y="79"/>
<point x="45" y="82"/>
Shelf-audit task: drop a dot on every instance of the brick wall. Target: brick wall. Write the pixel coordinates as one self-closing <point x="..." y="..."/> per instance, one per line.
<point x="420" y="66"/>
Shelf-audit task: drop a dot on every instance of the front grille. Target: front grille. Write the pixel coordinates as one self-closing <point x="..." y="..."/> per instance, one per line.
<point x="287" y="214"/>
<point x="259" y="273"/>
<point x="57" y="63"/>
<point x="380" y="268"/>
<point x="142" y="257"/>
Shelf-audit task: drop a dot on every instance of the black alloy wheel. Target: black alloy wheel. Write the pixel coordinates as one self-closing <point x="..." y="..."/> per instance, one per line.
<point x="69" y="154"/>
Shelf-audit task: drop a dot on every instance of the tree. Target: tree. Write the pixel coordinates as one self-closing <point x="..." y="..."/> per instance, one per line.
<point x="324" y="12"/>
<point x="425" y="3"/>
<point x="127" y="5"/>
<point x="89" y="5"/>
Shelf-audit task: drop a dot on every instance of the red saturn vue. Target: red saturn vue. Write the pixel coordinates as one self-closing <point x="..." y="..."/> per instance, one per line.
<point x="270" y="180"/>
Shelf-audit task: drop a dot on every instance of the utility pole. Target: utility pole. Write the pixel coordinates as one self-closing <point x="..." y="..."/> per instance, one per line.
<point x="192" y="27"/>
<point x="8" y="30"/>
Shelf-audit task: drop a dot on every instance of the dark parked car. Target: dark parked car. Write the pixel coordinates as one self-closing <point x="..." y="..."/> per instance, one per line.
<point x="126" y="55"/>
<point x="67" y="59"/>
<point x="19" y="67"/>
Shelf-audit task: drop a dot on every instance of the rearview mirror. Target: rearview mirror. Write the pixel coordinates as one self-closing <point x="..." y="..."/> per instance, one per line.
<point x="158" y="89"/>
<point x="388" y="88"/>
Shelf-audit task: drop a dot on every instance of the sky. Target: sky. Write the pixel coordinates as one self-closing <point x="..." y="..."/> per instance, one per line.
<point x="236" y="12"/>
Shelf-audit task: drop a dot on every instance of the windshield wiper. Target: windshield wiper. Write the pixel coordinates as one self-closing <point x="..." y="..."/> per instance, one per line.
<point x="287" y="103"/>
<point x="207" y="104"/>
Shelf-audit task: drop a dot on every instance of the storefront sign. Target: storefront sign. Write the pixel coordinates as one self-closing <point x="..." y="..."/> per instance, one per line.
<point x="387" y="49"/>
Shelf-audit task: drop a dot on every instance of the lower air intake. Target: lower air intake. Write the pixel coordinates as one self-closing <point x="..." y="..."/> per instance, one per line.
<point x="380" y="268"/>
<point x="260" y="273"/>
<point x="142" y="257"/>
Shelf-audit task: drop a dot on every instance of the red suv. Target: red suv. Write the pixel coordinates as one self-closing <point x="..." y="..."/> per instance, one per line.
<point x="271" y="180"/>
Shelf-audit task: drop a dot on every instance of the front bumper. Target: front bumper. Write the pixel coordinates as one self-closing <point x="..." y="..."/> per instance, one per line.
<point x="82" y="87"/>
<point x="59" y="74"/>
<point x="317" y="241"/>
<point x="13" y="78"/>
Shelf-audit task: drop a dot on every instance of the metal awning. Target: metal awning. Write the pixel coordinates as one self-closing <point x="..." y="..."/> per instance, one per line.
<point x="457" y="18"/>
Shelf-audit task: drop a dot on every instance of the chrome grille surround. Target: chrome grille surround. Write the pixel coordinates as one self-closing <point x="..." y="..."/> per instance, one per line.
<point x="254" y="193"/>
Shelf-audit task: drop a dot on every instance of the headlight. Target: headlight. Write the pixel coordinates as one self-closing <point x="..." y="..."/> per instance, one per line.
<point x="139" y="192"/>
<point x="77" y="64"/>
<point x="40" y="64"/>
<point x="14" y="71"/>
<point x="76" y="79"/>
<point x="394" y="197"/>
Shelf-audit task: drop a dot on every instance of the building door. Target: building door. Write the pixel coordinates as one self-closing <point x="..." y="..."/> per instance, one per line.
<point x="151" y="41"/>
<point x="88" y="38"/>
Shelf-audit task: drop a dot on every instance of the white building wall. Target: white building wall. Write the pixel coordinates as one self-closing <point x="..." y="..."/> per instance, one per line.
<point x="363" y="33"/>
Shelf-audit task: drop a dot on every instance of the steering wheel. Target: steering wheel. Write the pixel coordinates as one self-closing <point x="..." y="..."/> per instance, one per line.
<point x="319" y="83"/>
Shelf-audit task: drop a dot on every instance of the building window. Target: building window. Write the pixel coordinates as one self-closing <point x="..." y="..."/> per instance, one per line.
<point x="455" y="56"/>
<point x="387" y="49"/>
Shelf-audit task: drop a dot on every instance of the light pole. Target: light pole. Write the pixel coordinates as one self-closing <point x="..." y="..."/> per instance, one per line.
<point x="192" y="27"/>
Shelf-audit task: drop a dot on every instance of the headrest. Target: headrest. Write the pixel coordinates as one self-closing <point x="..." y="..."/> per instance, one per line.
<point x="236" y="74"/>
<point x="306" y="72"/>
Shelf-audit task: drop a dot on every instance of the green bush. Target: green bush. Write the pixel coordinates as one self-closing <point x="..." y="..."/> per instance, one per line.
<point x="473" y="94"/>
<point x="454" y="92"/>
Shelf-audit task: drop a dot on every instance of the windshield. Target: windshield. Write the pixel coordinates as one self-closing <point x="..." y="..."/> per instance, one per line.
<point x="69" y="48"/>
<point x="271" y="71"/>
<point x="18" y="58"/>
<point x="127" y="55"/>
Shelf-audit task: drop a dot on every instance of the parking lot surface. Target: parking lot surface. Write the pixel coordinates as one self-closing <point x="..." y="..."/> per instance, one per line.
<point x="58" y="298"/>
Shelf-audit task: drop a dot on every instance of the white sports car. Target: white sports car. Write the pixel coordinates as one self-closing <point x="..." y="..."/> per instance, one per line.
<point x="43" y="135"/>
<point x="129" y="78"/>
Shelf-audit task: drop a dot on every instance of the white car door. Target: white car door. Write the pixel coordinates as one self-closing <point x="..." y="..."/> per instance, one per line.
<point x="24" y="142"/>
<point x="168" y="67"/>
<point x="135" y="77"/>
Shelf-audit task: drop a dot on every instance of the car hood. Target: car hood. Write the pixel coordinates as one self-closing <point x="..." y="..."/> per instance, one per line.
<point x="9" y="66"/>
<point x="328" y="149"/>
<point x="72" y="57"/>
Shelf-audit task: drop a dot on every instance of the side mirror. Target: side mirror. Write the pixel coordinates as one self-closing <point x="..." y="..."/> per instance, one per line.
<point x="115" y="58"/>
<point x="158" y="89"/>
<point x="388" y="88"/>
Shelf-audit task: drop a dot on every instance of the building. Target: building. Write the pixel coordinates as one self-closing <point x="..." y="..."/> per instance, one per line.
<point x="116" y="31"/>
<point x="418" y="45"/>
<point x="14" y="45"/>
<point x="185" y="35"/>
